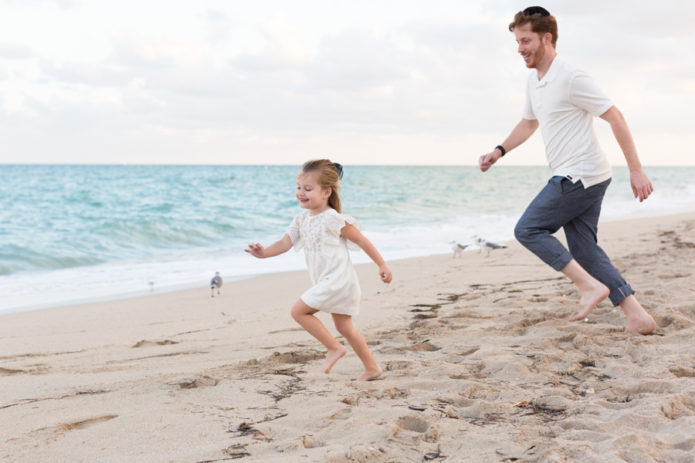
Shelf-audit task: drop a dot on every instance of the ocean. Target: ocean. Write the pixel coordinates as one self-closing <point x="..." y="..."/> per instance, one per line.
<point x="79" y="233"/>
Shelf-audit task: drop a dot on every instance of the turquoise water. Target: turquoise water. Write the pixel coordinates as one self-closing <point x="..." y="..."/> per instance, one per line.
<point x="70" y="233"/>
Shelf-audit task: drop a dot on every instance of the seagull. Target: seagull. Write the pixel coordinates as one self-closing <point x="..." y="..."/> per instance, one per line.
<point x="487" y="245"/>
<point x="457" y="248"/>
<point x="216" y="282"/>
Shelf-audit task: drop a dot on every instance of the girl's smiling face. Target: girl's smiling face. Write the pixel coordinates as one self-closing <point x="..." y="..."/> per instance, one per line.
<point x="310" y="194"/>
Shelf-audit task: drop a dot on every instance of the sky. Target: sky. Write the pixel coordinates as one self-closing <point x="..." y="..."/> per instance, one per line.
<point x="360" y="81"/>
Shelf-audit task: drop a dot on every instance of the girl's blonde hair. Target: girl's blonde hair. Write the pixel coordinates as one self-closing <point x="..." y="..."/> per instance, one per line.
<point x="328" y="176"/>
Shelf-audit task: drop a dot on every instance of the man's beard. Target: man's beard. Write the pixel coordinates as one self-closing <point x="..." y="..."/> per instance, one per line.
<point x="537" y="56"/>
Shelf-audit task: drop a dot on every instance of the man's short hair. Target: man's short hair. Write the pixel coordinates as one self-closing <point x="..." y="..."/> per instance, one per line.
<point x="541" y="21"/>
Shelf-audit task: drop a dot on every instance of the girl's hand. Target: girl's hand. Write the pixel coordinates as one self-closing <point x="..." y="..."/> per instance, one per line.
<point x="256" y="250"/>
<point x="385" y="273"/>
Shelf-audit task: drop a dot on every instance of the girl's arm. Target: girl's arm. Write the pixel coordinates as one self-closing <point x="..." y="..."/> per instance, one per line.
<point x="351" y="233"/>
<point x="274" y="249"/>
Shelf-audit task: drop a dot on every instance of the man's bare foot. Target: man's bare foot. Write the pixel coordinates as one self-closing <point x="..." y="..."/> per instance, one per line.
<point x="638" y="320"/>
<point x="371" y="374"/>
<point x="641" y="326"/>
<point x="590" y="298"/>
<point x="332" y="357"/>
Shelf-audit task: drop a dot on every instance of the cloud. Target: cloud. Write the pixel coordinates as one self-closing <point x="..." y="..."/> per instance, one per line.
<point x="16" y="51"/>
<point x="357" y="60"/>
<point x="218" y="26"/>
<point x="157" y="51"/>
<point x="663" y="19"/>
<point x="134" y="53"/>
<point x="283" y="81"/>
<point x="282" y="49"/>
<point x="64" y="4"/>
<point x="84" y="73"/>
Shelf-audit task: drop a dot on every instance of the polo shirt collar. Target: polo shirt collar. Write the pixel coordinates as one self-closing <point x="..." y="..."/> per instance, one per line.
<point x="552" y="72"/>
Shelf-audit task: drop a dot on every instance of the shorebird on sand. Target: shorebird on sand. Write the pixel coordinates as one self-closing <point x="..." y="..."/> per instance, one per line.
<point x="215" y="283"/>
<point x="487" y="245"/>
<point x="457" y="248"/>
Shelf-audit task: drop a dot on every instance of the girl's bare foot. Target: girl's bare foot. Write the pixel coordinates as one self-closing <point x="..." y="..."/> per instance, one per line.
<point x="371" y="374"/>
<point x="332" y="357"/>
<point x="590" y="298"/>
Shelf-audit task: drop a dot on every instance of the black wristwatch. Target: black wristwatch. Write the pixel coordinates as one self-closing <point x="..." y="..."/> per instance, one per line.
<point x="502" y="150"/>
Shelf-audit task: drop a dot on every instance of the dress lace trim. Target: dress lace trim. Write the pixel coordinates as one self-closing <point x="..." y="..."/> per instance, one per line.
<point x="313" y="233"/>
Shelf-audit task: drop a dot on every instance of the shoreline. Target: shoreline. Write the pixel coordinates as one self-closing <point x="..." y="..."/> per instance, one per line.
<point x="175" y="288"/>
<point x="475" y="346"/>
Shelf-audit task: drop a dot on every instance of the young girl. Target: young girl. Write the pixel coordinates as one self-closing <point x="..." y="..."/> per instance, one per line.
<point x="323" y="233"/>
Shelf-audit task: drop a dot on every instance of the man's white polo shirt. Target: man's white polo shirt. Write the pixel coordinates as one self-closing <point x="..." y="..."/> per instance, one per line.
<point x="565" y="102"/>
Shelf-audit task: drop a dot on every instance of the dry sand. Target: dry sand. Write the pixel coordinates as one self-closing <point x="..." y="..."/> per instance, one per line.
<point x="480" y="365"/>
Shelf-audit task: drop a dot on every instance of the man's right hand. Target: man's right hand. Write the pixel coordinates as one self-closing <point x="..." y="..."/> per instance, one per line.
<point x="487" y="160"/>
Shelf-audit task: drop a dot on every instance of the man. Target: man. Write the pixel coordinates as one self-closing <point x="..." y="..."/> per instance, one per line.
<point x="563" y="101"/>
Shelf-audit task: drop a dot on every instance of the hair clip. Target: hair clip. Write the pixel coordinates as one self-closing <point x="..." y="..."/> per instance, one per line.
<point x="338" y="168"/>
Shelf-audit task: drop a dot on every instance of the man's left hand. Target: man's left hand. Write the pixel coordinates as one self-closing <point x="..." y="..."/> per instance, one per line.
<point x="641" y="185"/>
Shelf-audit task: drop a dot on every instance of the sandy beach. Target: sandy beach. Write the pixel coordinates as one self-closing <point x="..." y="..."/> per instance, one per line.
<point x="480" y="365"/>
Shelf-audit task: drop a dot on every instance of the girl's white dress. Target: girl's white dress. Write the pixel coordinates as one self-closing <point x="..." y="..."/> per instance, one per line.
<point x="336" y="289"/>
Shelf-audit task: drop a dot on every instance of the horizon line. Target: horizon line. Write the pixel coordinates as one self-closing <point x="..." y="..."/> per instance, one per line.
<point x="127" y="164"/>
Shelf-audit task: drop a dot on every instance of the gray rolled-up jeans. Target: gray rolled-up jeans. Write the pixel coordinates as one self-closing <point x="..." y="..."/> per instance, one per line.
<point x="576" y="209"/>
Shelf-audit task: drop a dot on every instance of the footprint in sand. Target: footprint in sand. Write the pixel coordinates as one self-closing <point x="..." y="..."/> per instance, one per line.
<point x="687" y="445"/>
<point x="529" y="319"/>
<point x="311" y="442"/>
<point x="304" y="356"/>
<point x="425" y="311"/>
<point x="674" y="322"/>
<point x="359" y="453"/>
<point x="287" y="330"/>
<point x="687" y="311"/>
<point x="397" y="365"/>
<point x="651" y="387"/>
<point x="71" y="426"/>
<point x="201" y="381"/>
<point x="353" y="400"/>
<point x="412" y="429"/>
<point x="678" y="407"/>
<point x="86" y="423"/>
<point x="10" y="372"/>
<point x="683" y="372"/>
<point x="37" y="369"/>
<point x="468" y="350"/>
<point x="342" y="414"/>
<point x="468" y="314"/>
<point x="412" y="423"/>
<point x="271" y="363"/>
<point x="146" y="343"/>
<point x="392" y="393"/>
<point x="674" y="276"/>
<point x="424" y="346"/>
